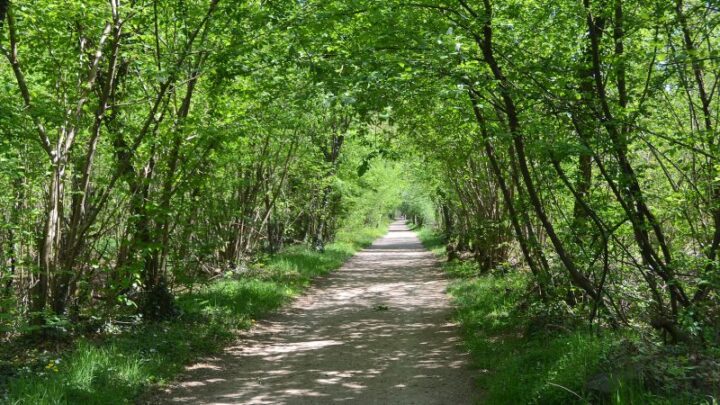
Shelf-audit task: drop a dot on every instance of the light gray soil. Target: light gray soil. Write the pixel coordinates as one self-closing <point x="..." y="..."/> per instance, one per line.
<point x="377" y="331"/>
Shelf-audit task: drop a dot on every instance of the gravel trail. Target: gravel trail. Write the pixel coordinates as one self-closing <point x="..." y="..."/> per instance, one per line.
<point x="377" y="331"/>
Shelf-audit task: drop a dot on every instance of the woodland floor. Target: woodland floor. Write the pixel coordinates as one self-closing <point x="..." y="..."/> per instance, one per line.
<point x="376" y="331"/>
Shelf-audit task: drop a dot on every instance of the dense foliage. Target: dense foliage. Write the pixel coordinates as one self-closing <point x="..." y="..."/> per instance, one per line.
<point x="580" y="137"/>
<point x="148" y="146"/>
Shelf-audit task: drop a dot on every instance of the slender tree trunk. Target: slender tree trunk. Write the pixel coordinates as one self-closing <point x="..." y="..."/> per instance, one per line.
<point x="537" y="270"/>
<point x="714" y="184"/>
<point x="486" y="45"/>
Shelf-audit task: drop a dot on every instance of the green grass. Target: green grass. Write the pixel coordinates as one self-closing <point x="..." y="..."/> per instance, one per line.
<point x="116" y="369"/>
<point x="519" y="369"/>
<point x="514" y="367"/>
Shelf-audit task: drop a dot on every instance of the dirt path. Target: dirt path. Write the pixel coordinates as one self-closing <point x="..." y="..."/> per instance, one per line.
<point x="376" y="331"/>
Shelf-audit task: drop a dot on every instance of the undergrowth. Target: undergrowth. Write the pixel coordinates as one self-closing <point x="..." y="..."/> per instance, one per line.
<point x="553" y="367"/>
<point x="115" y="368"/>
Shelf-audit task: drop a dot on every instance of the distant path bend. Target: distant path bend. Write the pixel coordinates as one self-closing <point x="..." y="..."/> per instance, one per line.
<point x="377" y="331"/>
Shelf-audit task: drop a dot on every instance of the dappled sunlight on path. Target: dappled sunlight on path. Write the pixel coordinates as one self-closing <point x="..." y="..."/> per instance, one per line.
<point x="377" y="331"/>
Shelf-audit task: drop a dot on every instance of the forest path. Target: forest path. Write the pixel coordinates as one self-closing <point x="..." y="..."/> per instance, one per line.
<point x="377" y="331"/>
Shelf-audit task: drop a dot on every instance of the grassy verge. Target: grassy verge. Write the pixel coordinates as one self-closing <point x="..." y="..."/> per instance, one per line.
<point x="517" y="367"/>
<point x="116" y="368"/>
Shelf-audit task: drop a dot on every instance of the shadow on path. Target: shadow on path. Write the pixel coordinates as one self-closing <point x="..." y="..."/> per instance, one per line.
<point x="377" y="331"/>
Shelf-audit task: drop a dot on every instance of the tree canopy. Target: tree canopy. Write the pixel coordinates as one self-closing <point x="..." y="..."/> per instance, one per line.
<point x="147" y="146"/>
